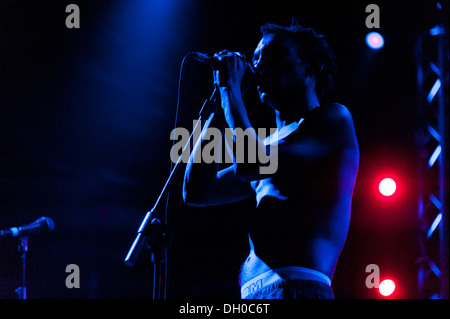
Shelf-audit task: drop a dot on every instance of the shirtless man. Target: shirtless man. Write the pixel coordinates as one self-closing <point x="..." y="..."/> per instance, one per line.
<point x="302" y="215"/>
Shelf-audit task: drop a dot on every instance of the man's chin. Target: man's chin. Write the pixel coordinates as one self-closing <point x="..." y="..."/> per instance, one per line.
<point x="266" y="100"/>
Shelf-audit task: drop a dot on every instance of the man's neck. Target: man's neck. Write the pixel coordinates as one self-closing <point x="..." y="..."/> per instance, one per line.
<point x="304" y="107"/>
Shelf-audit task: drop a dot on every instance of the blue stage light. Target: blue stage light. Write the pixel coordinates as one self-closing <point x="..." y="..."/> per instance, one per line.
<point x="434" y="90"/>
<point x="435" y="155"/>
<point x="374" y="40"/>
<point x="434" y="225"/>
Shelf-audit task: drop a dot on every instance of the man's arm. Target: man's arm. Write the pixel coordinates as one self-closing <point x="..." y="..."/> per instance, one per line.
<point x="205" y="185"/>
<point x="231" y="92"/>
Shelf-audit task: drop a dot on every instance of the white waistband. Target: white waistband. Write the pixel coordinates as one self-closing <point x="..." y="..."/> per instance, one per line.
<point x="289" y="273"/>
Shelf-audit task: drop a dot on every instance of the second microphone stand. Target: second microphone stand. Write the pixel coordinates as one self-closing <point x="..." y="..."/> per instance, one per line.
<point x="21" y="292"/>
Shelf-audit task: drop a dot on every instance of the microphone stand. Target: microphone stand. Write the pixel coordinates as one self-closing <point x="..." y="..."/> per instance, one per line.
<point x="152" y="234"/>
<point x="21" y="292"/>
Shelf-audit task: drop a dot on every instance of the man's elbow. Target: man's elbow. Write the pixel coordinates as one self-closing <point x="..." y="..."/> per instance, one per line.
<point x="188" y="199"/>
<point x="193" y="197"/>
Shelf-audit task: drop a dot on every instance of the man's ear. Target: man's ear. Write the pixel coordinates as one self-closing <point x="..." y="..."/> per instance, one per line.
<point x="314" y="69"/>
<point x="310" y="70"/>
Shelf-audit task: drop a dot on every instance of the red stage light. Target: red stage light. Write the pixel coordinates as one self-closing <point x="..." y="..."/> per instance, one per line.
<point x="386" y="287"/>
<point x="387" y="187"/>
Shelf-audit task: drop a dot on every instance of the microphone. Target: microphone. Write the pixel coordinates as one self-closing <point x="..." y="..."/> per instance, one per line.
<point x="41" y="225"/>
<point x="251" y="77"/>
<point x="214" y="61"/>
<point x="203" y="57"/>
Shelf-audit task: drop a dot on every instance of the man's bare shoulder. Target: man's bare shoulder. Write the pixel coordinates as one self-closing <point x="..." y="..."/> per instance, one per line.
<point x="334" y="124"/>
<point x="336" y="111"/>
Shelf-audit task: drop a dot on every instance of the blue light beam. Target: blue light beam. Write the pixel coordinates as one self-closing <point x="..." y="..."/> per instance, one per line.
<point x="435" y="156"/>
<point x="434" y="225"/>
<point x="434" y="90"/>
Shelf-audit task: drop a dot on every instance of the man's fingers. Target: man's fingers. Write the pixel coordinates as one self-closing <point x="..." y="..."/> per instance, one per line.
<point x="227" y="54"/>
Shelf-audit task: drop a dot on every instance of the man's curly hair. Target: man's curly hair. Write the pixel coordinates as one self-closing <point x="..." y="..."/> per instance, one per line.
<point x="312" y="48"/>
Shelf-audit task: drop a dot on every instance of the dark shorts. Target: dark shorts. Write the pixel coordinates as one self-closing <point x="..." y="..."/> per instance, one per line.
<point x="294" y="289"/>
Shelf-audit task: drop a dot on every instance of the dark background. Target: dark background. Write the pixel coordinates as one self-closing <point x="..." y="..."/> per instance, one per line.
<point x="85" y="118"/>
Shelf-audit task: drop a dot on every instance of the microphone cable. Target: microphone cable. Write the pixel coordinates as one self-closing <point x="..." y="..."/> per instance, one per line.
<point x="171" y="164"/>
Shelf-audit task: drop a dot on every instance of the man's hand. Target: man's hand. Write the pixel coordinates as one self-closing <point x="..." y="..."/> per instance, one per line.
<point x="233" y="66"/>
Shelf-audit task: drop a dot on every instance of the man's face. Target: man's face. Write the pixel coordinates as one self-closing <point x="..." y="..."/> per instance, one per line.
<point x="283" y="73"/>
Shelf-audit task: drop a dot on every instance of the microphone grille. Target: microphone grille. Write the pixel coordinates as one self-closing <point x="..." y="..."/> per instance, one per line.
<point x="48" y="224"/>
